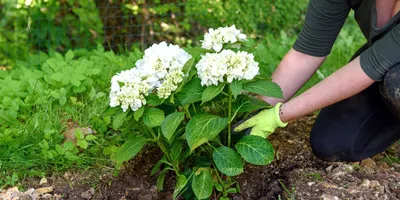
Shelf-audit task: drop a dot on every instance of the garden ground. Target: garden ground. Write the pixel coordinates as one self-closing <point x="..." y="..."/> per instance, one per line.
<point x="295" y="174"/>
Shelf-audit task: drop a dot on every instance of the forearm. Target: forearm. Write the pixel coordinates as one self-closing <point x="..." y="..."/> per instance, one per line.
<point x="344" y="83"/>
<point x="294" y="70"/>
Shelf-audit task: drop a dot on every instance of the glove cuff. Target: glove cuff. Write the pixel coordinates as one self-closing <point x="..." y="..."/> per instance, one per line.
<point x="277" y="116"/>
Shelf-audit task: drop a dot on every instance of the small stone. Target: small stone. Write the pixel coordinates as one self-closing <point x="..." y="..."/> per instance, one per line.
<point x="368" y="165"/>
<point x="329" y="185"/>
<point x="329" y="197"/>
<point x="329" y="169"/>
<point x="47" y="196"/>
<point x="290" y="141"/>
<point x="12" y="193"/>
<point x="383" y="166"/>
<point x="353" y="190"/>
<point x="88" y="194"/>
<point x="310" y="184"/>
<point x="44" y="190"/>
<point x="31" y="193"/>
<point x="57" y="196"/>
<point x="43" y="181"/>
<point x="67" y="175"/>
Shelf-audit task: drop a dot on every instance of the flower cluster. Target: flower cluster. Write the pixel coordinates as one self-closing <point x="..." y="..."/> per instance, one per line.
<point x="215" y="39"/>
<point x="226" y="65"/>
<point x="159" y="70"/>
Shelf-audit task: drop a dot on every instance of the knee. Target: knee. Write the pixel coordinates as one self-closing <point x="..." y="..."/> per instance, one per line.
<point x="326" y="149"/>
<point x="390" y="89"/>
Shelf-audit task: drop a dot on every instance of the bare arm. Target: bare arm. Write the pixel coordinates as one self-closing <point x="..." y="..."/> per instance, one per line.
<point x="344" y="83"/>
<point x="294" y="70"/>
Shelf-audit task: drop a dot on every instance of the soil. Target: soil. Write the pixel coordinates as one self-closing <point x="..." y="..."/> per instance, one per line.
<point x="295" y="174"/>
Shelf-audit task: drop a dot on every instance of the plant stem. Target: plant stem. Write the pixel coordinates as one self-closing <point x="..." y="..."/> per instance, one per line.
<point x="164" y="150"/>
<point x="186" y="108"/>
<point x="229" y="116"/>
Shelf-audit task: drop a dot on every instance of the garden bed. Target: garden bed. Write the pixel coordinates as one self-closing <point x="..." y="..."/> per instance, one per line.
<point x="295" y="174"/>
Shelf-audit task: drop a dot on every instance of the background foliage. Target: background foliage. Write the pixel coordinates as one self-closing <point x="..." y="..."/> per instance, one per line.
<point x="57" y="58"/>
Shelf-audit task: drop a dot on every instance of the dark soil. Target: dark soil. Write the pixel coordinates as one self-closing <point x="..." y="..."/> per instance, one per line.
<point x="295" y="174"/>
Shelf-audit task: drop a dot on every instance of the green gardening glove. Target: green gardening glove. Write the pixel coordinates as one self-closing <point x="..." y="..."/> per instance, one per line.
<point x="264" y="123"/>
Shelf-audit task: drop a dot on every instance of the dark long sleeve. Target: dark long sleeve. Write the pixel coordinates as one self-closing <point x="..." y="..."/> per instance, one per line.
<point x="324" y="20"/>
<point x="382" y="55"/>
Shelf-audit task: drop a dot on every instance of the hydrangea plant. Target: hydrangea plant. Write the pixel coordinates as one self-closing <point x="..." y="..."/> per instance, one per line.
<point x="185" y="101"/>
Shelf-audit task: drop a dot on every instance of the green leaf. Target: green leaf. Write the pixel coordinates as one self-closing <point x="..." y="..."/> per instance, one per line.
<point x="231" y="190"/>
<point x="236" y="87"/>
<point x="202" y="184"/>
<point x="255" y="150"/>
<point x="176" y="150"/>
<point x="247" y="104"/>
<point x="90" y="137"/>
<point x="161" y="179"/>
<point x="58" y="76"/>
<point x="158" y="165"/>
<point x="154" y="100"/>
<point x="69" y="146"/>
<point x="228" y="161"/>
<point x="202" y="128"/>
<point x="130" y="148"/>
<point x="180" y="185"/>
<point x="119" y="120"/>
<point x="153" y="117"/>
<point x="138" y="113"/>
<point x="264" y="87"/>
<point x="71" y="156"/>
<point x="188" y="65"/>
<point x="211" y="92"/>
<point x="171" y="123"/>
<point x="192" y="92"/>
<point x="79" y="134"/>
<point x="83" y="144"/>
<point x="69" y="55"/>
<point x="60" y="150"/>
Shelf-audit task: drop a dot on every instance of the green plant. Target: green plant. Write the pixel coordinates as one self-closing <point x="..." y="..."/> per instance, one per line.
<point x="192" y="125"/>
<point x="43" y="106"/>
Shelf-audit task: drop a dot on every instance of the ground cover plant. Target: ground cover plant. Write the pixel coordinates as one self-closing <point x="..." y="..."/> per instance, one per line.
<point x="185" y="103"/>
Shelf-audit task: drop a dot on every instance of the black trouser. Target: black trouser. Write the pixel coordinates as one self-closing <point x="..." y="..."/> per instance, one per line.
<point x="360" y="126"/>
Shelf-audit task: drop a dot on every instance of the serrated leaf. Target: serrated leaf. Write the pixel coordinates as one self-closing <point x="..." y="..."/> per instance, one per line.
<point x="60" y="150"/>
<point x="247" y="104"/>
<point x="130" y="148"/>
<point x="171" y="123"/>
<point x="255" y="150"/>
<point x="192" y="92"/>
<point x="68" y="146"/>
<point x="176" y="150"/>
<point x="83" y="144"/>
<point x="79" y="134"/>
<point x="203" y="128"/>
<point x="138" y="113"/>
<point x="119" y="120"/>
<point x="90" y="137"/>
<point x="154" y="100"/>
<point x="69" y="55"/>
<point x="153" y="117"/>
<point x="228" y="161"/>
<point x="211" y="92"/>
<point x="264" y="87"/>
<point x="202" y="184"/>
<point x="58" y="76"/>
<point x="236" y="87"/>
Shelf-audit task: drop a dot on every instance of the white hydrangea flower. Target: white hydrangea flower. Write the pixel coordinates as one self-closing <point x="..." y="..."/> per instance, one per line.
<point x="160" y="70"/>
<point x="128" y="89"/>
<point x="215" y="39"/>
<point x="226" y="66"/>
